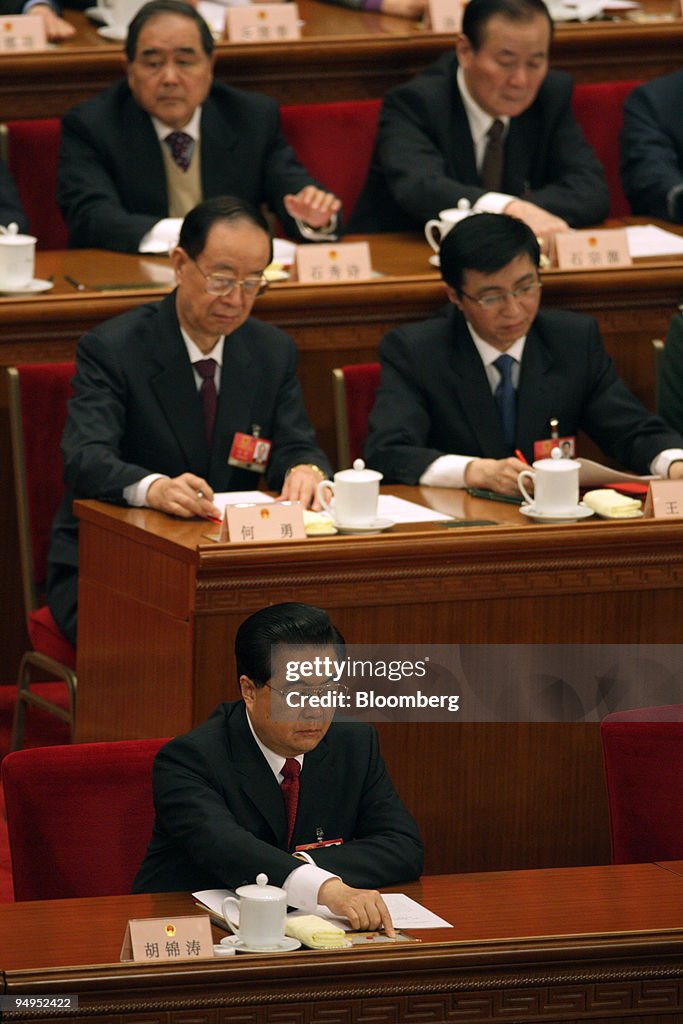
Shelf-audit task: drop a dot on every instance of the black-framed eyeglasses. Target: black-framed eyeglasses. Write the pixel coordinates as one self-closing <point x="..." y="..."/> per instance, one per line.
<point x="221" y="284"/>
<point x="495" y="300"/>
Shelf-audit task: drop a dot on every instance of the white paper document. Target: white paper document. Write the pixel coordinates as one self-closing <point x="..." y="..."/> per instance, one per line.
<point x="402" y="511"/>
<point x="649" y="240"/>
<point x="594" y="474"/>
<point x="241" y="498"/>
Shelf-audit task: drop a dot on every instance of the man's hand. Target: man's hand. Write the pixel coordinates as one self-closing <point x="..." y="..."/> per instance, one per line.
<point x="313" y="206"/>
<point x="365" y="908"/>
<point x="543" y="224"/>
<point x="499" y="475"/>
<point x="185" y="496"/>
<point x="56" y="28"/>
<point x="300" y="485"/>
<point x="404" y="8"/>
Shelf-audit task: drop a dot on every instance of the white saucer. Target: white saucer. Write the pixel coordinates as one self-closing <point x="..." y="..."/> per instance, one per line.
<point x="286" y="945"/>
<point x="376" y="527"/>
<point x="114" y="33"/>
<point x="580" y="511"/>
<point x="99" y="14"/>
<point x="435" y="261"/>
<point x="34" y="287"/>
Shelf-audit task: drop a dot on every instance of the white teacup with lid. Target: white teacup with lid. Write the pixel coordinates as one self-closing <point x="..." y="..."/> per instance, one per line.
<point x="436" y="230"/>
<point x="556" y="484"/>
<point x="258" y="917"/>
<point x="17" y="258"/>
<point x="356" y="492"/>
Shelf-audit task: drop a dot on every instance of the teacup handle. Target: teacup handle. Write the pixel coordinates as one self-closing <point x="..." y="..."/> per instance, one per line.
<point x="525" y="472"/>
<point x="430" y="227"/>
<point x="320" y="495"/>
<point x="230" y="901"/>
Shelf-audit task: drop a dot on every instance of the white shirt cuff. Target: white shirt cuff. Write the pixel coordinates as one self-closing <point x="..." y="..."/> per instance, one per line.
<point x="136" y="494"/>
<point x="492" y="202"/>
<point x="324" y="234"/>
<point x="446" y="471"/>
<point x="162" y="237"/>
<point x="302" y="886"/>
<point x="660" y="464"/>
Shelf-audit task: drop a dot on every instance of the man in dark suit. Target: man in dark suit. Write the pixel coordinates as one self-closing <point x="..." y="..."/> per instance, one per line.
<point x="460" y="393"/>
<point x="221" y="817"/>
<point x="652" y="148"/>
<point x="11" y="210"/>
<point x="143" y="153"/>
<point x="139" y="428"/>
<point x="489" y="124"/>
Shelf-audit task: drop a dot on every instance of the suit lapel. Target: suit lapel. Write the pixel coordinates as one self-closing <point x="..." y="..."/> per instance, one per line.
<point x="318" y="780"/>
<point x="474" y="392"/>
<point x="174" y="387"/>
<point x="219" y="144"/>
<point x="535" y="391"/>
<point x="458" y="143"/>
<point x="235" y="399"/>
<point x="255" y="778"/>
<point x="520" y="145"/>
<point x="143" y="162"/>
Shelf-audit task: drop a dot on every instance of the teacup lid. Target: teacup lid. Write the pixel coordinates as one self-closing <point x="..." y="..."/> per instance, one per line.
<point x="556" y="463"/>
<point x="261" y="891"/>
<point x="359" y="474"/>
<point x="10" y="235"/>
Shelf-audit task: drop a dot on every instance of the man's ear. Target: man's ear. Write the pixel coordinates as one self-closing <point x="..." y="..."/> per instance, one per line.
<point x="453" y="296"/>
<point x="463" y="49"/>
<point x="179" y="260"/>
<point x="248" y="690"/>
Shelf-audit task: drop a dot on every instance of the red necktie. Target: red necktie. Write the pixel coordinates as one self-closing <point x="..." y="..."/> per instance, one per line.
<point x="206" y="369"/>
<point x="290" y="793"/>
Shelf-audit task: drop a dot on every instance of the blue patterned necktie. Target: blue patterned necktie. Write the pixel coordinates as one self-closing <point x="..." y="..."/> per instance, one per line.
<point x="506" y="399"/>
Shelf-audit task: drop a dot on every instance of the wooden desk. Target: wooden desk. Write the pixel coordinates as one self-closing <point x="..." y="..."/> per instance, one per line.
<point x="160" y="605"/>
<point x="332" y="325"/>
<point x="596" y="943"/>
<point x="343" y="54"/>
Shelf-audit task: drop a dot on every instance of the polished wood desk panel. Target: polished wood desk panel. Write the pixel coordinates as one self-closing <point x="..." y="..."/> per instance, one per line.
<point x="331" y="324"/>
<point x="160" y="605"/>
<point x="595" y="943"/>
<point x="343" y="54"/>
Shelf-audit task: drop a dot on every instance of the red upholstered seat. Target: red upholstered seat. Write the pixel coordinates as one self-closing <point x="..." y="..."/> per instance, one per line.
<point x="643" y="755"/>
<point x="598" y="107"/>
<point x="334" y="142"/>
<point x="354" y="397"/>
<point x="32" y="156"/>
<point x="38" y="396"/>
<point x="79" y="817"/>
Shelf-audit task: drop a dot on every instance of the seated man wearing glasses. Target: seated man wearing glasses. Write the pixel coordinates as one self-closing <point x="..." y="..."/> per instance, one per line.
<point x="461" y="393"/>
<point x="269" y="783"/>
<point x="162" y="392"/>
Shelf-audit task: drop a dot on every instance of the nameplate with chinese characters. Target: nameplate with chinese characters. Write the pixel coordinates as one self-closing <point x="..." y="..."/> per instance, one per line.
<point x="168" y="938"/>
<point x="444" y="15"/>
<point x="593" y="250"/>
<point x="263" y="23"/>
<point x="333" y="264"/>
<point x="22" y="34"/>
<point x="250" y="524"/>
<point x="664" y="499"/>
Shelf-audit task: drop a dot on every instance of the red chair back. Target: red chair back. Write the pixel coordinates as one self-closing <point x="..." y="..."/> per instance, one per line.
<point x="643" y="755"/>
<point x="599" y="109"/>
<point x="79" y="817"/>
<point x="39" y="393"/>
<point x="354" y="396"/>
<point x="32" y="156"/>
<point x="334" y="142"/>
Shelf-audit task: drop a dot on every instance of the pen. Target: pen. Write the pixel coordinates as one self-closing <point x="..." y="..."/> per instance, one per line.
<point x="214" y="519"/>
<point x="77" y="284"/>
<point x="520" y="456"/>
<point x="478" y="492"/>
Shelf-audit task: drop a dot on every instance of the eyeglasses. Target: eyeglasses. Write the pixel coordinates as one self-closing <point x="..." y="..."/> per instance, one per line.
<point x="218" y="284"/>
<point x="497" y="299"/>
<point x="297" y="696"/>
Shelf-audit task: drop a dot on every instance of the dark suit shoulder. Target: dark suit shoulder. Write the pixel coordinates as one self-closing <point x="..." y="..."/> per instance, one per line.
<point x="231" y="99"/>
<point x="105" y="108"/>
<point x="211" y="734"/>
<point x="659" y="90"/>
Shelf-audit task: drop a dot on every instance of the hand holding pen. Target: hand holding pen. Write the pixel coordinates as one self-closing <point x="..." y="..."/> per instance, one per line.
<point x="498" y="475"/>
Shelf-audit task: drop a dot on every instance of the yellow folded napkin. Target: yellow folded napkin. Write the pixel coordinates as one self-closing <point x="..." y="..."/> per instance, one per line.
<point x="316" y="524"/>
<point x="316" y="932"/>
<point x="613" y="505"/>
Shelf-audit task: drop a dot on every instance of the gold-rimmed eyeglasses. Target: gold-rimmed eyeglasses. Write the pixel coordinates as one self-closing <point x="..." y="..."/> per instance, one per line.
<point x="221" y="284"/>
<point x="495" y="300"/>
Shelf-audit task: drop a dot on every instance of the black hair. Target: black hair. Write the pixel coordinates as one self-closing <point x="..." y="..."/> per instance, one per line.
<point x="478" y="12"/>
<point x="201" y="219"/>
<point x="155" y="7"/>
<point x="288" y="623"/>
<point x="485" y="242"/>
